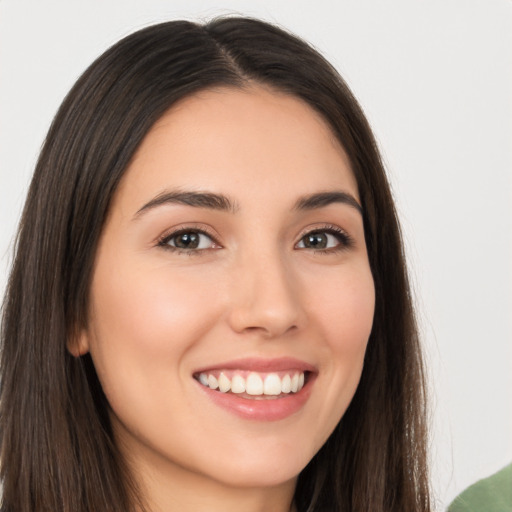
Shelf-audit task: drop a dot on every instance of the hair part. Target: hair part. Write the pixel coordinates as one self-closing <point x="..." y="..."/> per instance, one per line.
<point x="57" y="451"/>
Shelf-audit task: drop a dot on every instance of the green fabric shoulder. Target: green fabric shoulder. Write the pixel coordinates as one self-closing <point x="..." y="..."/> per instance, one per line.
<point x="492" y="494"/>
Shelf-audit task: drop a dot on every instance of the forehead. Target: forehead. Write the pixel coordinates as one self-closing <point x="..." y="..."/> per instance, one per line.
<point x="230" y="139"/>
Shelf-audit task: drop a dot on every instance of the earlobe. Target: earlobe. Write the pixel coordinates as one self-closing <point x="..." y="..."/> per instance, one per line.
<point x="78" y="345"/>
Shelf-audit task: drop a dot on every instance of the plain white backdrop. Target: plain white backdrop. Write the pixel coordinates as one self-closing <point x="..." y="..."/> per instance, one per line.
<point x="435" y="79"/>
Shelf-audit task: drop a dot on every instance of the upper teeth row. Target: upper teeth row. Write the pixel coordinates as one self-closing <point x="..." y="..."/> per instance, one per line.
<point x="254" y="384"/>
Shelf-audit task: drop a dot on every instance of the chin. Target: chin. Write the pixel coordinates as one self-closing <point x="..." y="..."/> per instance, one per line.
<point x="257" y="471"/>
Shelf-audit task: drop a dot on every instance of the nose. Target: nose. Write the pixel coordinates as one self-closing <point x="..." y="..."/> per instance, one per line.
<point x="265" y="298"/>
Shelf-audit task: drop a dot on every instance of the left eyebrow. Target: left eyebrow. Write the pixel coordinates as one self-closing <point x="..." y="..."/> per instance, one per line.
<point x="322" y="199"/>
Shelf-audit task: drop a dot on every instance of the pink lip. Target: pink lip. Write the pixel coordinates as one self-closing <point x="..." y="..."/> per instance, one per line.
<point x="267" y="409"/>
<point x="261" y="365"/>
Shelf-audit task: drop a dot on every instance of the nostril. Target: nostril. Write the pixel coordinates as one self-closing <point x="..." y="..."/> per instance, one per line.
<point x="270" y="330"/>
<point x="264" y="298"/>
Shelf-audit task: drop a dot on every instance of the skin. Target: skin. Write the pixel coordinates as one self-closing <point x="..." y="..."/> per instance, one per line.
<point x="256" y="290"/>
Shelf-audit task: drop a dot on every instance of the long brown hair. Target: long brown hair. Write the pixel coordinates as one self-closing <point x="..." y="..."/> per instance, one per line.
<point x="57" y="450"/>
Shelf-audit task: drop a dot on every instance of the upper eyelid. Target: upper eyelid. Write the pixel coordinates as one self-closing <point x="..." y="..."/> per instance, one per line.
<point x="318" y="228"/>
<point x="346" y="242"/>
<point x="208" y="231"/>
<point x="172" y="232"/>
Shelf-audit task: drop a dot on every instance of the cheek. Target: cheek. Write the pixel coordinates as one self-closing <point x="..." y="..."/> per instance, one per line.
<point x="143" y="321"/>
<point x="345" y="307"/>
<point x="152" y="305"/>
<point x="344" y="315"/>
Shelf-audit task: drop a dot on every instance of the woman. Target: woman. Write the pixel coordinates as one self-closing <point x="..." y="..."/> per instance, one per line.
<point x="209" y="304"/>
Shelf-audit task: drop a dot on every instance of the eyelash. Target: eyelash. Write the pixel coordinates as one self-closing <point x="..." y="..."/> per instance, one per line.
<point x="163" y="242"/>
<point x="344" y="239"/>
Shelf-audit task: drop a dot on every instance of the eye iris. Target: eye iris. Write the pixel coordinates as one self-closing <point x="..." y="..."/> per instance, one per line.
<point x="316" y="240"/>
<point x="187" y="240"/>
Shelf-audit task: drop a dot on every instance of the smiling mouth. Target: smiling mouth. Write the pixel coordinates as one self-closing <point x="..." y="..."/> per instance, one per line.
<point x="254" y="385"/>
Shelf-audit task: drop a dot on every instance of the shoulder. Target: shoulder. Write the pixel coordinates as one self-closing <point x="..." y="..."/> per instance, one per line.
<point x="492" y="494"/>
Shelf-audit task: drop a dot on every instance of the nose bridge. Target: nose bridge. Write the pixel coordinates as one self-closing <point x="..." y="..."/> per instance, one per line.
<point x="265" y="294"/>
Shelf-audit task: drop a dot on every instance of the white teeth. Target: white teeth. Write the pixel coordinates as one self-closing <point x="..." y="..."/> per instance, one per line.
<point x="286" y="384"/>
<point x="272" y="385"/>
<point x="224" y="383"/>
<point x="255" y="384"/>
<point x="213" y="383"/>
<point x="238" y="384"/>
<point x="295" y="383"/>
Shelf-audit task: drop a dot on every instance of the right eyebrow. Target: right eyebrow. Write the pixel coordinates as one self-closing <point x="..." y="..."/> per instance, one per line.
<point x="207" y="200"/>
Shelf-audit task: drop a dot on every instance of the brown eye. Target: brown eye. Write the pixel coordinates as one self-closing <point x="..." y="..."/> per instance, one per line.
<point x="324" y="240"/>
<point x="188" y="240"/>
<point x="316" y="240"/>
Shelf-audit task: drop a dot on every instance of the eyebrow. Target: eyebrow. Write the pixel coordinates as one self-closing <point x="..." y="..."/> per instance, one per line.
<point x="221" y="202"/>
<point x="196" y="199"/>
<point x="322" y="199"/>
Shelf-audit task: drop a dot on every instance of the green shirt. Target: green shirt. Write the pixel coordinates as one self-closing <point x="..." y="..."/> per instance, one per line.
<point x="492" y="494"/>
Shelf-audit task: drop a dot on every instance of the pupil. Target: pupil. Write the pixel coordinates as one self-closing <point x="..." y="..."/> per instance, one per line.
<point x="316" y="240"/>
<point x="187" y="241"/>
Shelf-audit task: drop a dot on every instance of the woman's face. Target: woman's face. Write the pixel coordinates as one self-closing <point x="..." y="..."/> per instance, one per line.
<point x="233" y="256"/>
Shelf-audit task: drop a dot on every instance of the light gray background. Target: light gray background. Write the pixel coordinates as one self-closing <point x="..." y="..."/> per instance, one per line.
<point x="435" y="79"/>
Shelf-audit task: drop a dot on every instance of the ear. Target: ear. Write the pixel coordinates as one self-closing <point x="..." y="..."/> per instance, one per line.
<point x="78" y="344"/>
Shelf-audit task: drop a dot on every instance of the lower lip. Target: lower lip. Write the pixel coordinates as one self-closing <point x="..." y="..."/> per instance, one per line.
<point x="271" y="409"/>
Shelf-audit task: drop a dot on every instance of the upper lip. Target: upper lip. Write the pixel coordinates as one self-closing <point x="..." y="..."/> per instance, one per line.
<point x="257" y="364"/>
